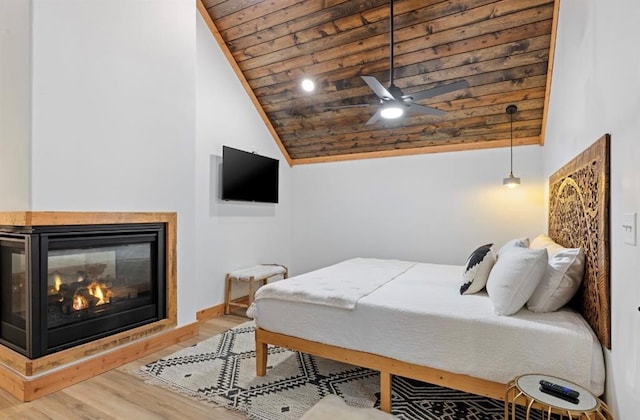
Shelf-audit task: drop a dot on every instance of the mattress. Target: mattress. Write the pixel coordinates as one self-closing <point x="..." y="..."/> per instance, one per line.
<point x="420" y="317"/>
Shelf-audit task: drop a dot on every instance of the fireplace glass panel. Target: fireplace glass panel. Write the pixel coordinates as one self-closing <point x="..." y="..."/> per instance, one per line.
<point x="14" y="294"/>
<point x="84" y="283"/>
<point x="61" y="286"/>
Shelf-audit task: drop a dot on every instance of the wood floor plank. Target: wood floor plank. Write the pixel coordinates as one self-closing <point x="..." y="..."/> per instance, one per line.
<point x="118" y="394"/>
<point x="6" y="401"/>
<point x="146" y="397"/>
<point x="60" y="404"/>
<point x="25" y="413"/>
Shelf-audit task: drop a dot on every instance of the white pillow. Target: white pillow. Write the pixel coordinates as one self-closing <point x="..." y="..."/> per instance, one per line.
<point x="477" y="269"/>
<point x="544" y="241"/>
<point x="514" y="278"/>
<point x="562" y="277"/>
<point x="518" y="242"/>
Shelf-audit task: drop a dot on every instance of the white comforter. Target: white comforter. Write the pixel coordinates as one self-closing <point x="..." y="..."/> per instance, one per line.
<point x="420" y="317"/>
<point x="341" y="285"/>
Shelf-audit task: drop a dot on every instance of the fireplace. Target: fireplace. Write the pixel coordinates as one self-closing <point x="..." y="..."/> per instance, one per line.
<point x="61" y="286"/>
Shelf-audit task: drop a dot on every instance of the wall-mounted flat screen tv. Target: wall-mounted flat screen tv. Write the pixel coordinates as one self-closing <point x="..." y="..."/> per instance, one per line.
<point x="249" y="177"/>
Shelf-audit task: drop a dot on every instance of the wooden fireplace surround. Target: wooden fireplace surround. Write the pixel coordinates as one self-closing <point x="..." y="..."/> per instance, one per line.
<point x="28" y="379"/>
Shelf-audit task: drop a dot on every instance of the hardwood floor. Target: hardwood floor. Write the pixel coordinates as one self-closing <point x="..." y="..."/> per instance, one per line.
<point x="119" y="395"/>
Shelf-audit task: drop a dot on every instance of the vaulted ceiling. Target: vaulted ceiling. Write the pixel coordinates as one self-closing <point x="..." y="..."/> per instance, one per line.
<point x="502" y="49"/>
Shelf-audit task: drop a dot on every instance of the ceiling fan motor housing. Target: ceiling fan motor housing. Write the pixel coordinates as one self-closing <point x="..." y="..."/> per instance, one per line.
<point x="395" y="92"/>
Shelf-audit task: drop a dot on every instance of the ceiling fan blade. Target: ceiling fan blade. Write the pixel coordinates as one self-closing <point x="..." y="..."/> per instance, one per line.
<point x="440" y="90"/>
<point x="329" y="108"/>
<point x="377" y="87"/>
<point x="374" y="118"/>
<point x="426" y="110"/>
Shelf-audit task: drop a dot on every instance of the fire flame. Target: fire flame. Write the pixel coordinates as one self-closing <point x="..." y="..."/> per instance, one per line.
<point x="95" y="290"/>
<point x="79" y="302"/>
<point x="58" y="281"/>
<point x="99" y="291"/>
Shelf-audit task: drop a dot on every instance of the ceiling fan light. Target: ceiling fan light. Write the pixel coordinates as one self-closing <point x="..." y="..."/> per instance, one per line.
<point x="391" y="111"/>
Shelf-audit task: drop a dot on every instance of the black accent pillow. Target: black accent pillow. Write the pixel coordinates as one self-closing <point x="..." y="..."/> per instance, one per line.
<point x="477" y="269"/>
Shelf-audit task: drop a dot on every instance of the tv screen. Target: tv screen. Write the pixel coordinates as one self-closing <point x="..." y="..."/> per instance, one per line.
<point x="248" y="176"/>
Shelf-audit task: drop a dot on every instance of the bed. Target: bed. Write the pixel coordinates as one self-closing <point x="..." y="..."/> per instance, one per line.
<point x="413" y="322"/>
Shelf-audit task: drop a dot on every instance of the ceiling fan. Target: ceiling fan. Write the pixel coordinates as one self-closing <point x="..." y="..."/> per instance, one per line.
<point x="394" y="103"/>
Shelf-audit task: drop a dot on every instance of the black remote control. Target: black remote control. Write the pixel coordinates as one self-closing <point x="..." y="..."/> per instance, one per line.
<point x="560" y="391"/>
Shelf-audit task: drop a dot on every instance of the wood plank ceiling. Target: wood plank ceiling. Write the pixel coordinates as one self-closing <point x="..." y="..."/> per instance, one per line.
<point x="502" y="49"/>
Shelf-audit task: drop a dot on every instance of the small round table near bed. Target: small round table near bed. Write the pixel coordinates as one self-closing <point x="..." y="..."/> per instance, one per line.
<point x="525" y="391"/>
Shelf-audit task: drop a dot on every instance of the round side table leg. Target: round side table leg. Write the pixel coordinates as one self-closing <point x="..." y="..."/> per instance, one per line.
<point x="603" y="412"/>
<point x="528" y="416"/>
<point x="515" y="404"/>
<point x="510" y="390"/>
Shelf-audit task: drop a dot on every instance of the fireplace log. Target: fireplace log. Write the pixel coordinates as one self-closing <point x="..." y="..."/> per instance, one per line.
<point x="123" y="292"/>
<point x="55" y="299"/>
<point x="91" y="300"/>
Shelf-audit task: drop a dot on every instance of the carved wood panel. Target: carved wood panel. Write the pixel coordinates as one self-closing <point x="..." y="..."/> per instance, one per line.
<point x="579" y="217"/>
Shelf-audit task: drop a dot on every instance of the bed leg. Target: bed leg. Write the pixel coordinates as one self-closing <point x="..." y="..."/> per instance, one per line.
<point x="261" y="358"/>
<point x="385" y="392"/>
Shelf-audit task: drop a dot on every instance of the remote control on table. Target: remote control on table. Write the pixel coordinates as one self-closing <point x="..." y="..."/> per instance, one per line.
<point x="559" y="391"/>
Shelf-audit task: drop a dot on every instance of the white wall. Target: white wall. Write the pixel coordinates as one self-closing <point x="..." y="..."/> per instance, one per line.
<point x="113" y="128"/>
<point x="596" y="85"/>
<point x="15" y="83"/>
<point x="433" y="208"/>
<point x="113" y="123"/>
<point x="231" y="235"/>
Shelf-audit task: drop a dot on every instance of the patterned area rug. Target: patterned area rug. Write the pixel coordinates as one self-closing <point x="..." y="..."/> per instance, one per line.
<point x="221" y="370"/>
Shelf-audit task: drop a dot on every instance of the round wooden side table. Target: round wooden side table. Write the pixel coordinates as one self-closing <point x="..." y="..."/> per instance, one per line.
<point x="525" y="391"/>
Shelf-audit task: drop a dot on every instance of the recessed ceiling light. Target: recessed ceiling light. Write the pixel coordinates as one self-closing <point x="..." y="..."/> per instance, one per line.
<point x="308" y="85"/>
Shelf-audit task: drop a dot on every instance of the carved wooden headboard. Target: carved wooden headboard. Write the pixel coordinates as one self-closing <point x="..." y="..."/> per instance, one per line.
<point x="579" y="217"/>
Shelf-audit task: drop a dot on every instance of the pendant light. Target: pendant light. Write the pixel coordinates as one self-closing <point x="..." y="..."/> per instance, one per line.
<point x="511" y="181"/>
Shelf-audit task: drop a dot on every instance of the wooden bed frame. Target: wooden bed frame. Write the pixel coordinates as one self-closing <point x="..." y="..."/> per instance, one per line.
<point x="578" y="217"/>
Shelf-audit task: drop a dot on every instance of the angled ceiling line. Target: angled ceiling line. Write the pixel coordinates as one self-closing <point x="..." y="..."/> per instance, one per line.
<point x="552" y="53"/>
<point x="245" y="84"/>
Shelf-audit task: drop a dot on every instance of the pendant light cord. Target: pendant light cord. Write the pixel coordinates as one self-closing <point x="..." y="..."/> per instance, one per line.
<point x="391" y="46"/>
<point x="511" y="171"/>
<point x="511" y="109"/>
